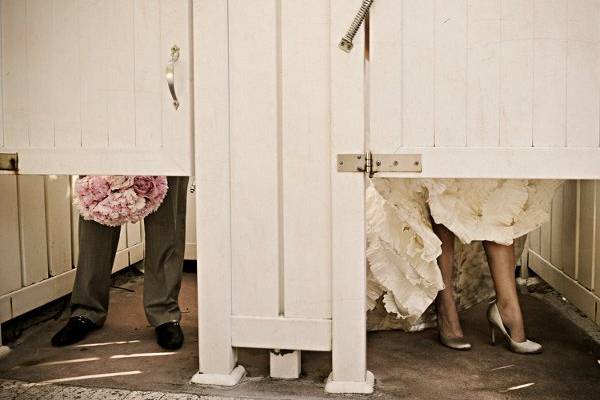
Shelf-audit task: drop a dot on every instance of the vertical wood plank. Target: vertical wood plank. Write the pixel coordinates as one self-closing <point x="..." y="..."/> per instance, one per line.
<point x="190" y="228"/>
<point x="32" y="221"/>
<point x="95" y="56"/>
<point x="596" y="272"/>
<point x="348" y="205"/>
<point x="418" y="84"/>
<point x="120" y="73"/>
<point x="546" y="240"/>
<point x="134" y="240"/>
<point x="583" y="94"/>
<point x="556" y="256"/>
<point x="122" y="254"/>
<point x="483" y="80"/>
<point x="450" y="72"/>
<point x="516" y="76"/>
<point x="534" y="241"/>
<point x="9" y="235"/>
<point x="74" y="225"/>
<point x="587" y="233"/>
<point x="254" y="180"/>
<point x="66" y="76"/>
<point x="305" y="117"/>
<point x="148" y="73"/>
<point x="213" y="224"/>
<point x="583" y="78"/>
<point x="39" y="52"/>
<point x="134" y="234"/>
<point x="122" y="245"/>
<point x="550" y="73"/>
<point x="583" y="20"/>
<point x="385" y="76"/>
<point x="569" y="231"/>
<point x="58" y="213"/>
<point x="1" y="77"/>
<point x="14" y="70"/>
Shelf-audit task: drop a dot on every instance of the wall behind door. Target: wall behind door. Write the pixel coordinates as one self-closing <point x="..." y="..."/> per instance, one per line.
<point x="38" y="242"/>
<point x="565" y="251"/>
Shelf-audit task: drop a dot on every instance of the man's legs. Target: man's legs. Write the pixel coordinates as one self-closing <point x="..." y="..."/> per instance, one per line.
<point x="97" y="248"/>
<point x="165" y="246"/>
<point x="89" y="301"/>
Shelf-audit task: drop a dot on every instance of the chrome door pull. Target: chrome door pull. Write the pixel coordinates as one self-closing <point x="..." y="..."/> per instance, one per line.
<point x="170" y="74"/>
<point x="346" y="42"/>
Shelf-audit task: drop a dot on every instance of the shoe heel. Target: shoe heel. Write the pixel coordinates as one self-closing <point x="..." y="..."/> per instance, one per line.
<point x="492" y="334"/>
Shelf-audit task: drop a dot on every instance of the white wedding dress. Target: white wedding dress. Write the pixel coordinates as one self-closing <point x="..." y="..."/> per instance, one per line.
<point x="403" y="275"/>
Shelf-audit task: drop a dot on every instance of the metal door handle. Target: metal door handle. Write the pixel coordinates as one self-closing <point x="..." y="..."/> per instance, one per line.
<point x="170" y="74"/>
<point x="346" y="42"/>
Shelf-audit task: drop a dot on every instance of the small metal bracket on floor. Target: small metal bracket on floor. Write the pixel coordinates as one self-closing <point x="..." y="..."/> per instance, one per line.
<point x="285" y="364"/>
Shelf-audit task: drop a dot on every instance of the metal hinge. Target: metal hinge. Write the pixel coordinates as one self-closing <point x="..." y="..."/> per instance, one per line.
<point x="9" y="162"/>
<point x="371" y="164"/>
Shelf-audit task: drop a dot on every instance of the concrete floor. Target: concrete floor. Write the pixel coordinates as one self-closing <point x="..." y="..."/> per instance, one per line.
<point x="406" y="366"/>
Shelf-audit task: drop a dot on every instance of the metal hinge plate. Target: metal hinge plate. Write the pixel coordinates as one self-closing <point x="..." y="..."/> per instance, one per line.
<point x="9" y="162"/>
<point x="374" y="163"/>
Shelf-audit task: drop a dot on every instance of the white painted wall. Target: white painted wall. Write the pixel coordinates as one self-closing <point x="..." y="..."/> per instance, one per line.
<point x="39" y="245"/>
<point x="566" y="251"/>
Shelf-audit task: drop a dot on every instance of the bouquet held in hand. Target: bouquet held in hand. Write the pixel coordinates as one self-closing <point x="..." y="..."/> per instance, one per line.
<point x="114" y="200"/>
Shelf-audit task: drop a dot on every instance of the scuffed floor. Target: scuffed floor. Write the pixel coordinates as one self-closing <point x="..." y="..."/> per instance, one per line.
<point x="122" y="361"/>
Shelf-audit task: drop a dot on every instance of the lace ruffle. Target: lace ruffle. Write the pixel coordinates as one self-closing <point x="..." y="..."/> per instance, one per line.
<point x="404" y="277"/>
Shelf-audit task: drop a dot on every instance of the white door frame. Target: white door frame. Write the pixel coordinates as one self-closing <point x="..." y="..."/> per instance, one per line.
<point x="217" y="357"/>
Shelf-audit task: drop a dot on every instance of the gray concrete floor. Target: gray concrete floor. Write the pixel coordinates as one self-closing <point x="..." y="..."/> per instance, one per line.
<point x="406" y="365"/>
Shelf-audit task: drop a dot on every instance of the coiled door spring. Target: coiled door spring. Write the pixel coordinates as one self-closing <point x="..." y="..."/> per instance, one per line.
<point x="346" y="42"/>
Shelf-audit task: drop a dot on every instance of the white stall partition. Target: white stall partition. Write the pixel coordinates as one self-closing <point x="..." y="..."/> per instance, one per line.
<point x="85" y="87"/>
<point x="280" y="233"/>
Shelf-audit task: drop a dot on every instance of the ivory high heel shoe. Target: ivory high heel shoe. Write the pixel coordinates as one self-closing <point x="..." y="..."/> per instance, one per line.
<point x="456" y="343"/>
<point x="495" y="320"/>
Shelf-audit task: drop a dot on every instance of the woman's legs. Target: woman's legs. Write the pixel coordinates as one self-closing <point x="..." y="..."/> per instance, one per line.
<point x="448" y="321"/>
<point x="501" y="259"/>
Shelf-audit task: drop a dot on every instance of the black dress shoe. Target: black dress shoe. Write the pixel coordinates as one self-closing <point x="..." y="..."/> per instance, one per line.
<point x="169" y="335"/>
<point x="76" y="329"/>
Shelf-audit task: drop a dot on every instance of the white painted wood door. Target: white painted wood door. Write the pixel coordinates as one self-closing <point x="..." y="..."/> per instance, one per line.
<point x="280" y="233"/>
<point x="487" y="88"/>
<point x="84" y="87"/>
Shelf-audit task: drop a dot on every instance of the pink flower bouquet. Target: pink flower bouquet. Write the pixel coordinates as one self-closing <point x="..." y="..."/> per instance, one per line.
<point x="114" y="200"/>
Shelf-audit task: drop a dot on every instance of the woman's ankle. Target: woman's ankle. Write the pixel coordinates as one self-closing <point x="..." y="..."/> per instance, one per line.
<point x="448" y="319"/>
<point x="512" y="318"/>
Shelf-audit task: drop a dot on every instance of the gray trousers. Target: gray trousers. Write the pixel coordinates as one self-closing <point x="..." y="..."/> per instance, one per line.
<point x="163" y="262"/>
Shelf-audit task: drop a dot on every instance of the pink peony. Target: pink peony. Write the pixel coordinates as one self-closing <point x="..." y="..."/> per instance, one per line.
<point x="115" y="200"/>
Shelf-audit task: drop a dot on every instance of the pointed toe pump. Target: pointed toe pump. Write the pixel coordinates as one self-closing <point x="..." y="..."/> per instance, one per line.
<point x="455" y="343"/>
<point x="495" y="320"/>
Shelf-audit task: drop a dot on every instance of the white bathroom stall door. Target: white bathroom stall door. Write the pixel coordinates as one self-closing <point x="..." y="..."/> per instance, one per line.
<point x="487" y="89"/>
<point x="84" y="86"/>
